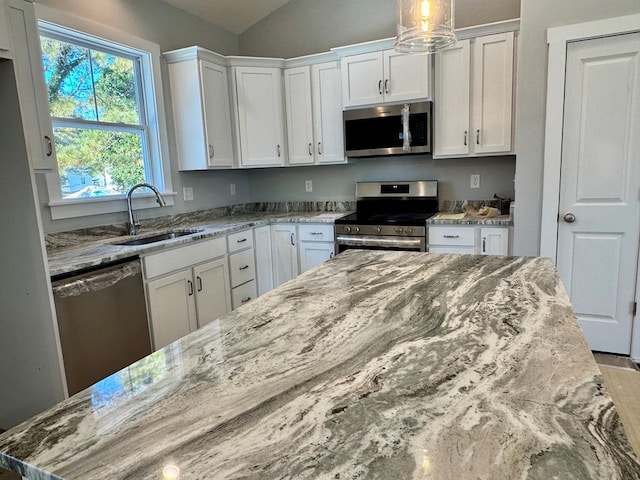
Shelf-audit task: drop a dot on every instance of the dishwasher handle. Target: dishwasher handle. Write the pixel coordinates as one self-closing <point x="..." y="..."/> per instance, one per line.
<point x="96" y="280"/>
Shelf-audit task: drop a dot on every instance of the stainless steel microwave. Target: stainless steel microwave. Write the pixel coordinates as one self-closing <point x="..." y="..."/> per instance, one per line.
<point x="381" y="130"/>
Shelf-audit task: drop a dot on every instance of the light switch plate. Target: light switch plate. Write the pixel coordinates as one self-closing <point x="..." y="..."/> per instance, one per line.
<point x="187" y="193"/>
<point x="308" y="186"/>
<point x="475" y="181"/>
<point x="232" y="187"/>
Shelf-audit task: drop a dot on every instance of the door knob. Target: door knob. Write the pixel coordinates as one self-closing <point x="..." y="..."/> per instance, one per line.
<point x="569" y="218"/>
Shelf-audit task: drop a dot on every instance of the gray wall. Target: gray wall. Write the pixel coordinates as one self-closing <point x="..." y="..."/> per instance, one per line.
<point x="536" y="17"/>
<point x="303" y="27"/>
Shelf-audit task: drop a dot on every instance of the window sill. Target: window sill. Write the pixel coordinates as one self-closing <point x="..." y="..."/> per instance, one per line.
<point x="83" y="207"/>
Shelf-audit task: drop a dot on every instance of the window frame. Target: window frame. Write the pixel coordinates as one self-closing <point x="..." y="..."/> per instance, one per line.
<point x="67" y="27"/>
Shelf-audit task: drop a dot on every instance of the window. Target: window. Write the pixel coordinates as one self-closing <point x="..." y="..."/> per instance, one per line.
<point x="106" y="108"/>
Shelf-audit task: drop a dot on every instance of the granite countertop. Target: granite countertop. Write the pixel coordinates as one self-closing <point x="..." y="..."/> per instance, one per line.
<point x="75" y="252"/>
<point x="468" y="219"/>
<point x="381" y="365"/>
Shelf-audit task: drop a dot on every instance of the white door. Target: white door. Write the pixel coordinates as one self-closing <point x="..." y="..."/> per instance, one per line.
<point x="452" y="100"/>
<point x="599" y="207"/>
<point x="297" y="90"/>
<point x="327" y="112"/>
<point x="260" y="116"/>
<point x="172" y="307"/>
<point x="315" y="253"/>
<point x="406" y="77"/>
<point x="285" y="253"/>
<point x="492" y="97"/>
<point x="362" y="82"/>
<point x="213" y="298"/>
<point x="217" y="115"/>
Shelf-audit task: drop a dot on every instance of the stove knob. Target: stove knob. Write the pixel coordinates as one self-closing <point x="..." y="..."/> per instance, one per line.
<point x="356" y="229"/>
<point x="399" y="230"/>
<point x="408" y="231"/>
<point x="347" y="229"/>
<point x="378" y="229"/>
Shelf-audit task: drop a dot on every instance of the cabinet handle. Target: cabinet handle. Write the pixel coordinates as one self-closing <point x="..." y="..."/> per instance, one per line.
<point x="319" y="148"/>
<point x="478" y="137"/>
<point x="242" y="240"/>
<point x="49" y="145"/>
<point x="386" y="86"/>
<point x="293" y="239"/>
<point x="310" y="149"/>
<point x="278" y="148"/>
<point x="316" y="233"/>
<point x="245" y="300"/>
<point x="484" y="244"/>
<point x="451" y="236"/>
<point x="212" y="151"/>
<point x="199" y="283"/>
<point x="380" y="87"/>
<point x="190" y="285"/>
<point x="244" y="268"/>
<point x="465" y="137"/>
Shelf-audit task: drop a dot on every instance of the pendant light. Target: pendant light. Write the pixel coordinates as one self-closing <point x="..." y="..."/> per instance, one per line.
<point x="424" y="26"/>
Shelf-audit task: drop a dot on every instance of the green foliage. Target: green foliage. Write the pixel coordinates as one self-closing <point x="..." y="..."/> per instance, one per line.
<point x="94" y="86"/>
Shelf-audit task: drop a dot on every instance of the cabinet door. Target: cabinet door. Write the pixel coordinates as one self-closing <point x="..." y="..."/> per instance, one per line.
<point x="260" y="117"/>
<point x="362" y="79"/>
<point x="32" y="91"/>
<point x="5" y="41"/>
<point x="452" y="100"/>
<point x="217" y="115"/>
<point x="315" y="253"/>
<point x="213" y="295"/>
<point x="494" y="241"/>
<point x="297" y="90"/>
<point x="492" y="96"/>
<point x="264" y="259"/>
<point x="285" y="253"/>
<point x="327" y="113"/>
<point x="172" y="307"/>
<point x="406" y="77"/>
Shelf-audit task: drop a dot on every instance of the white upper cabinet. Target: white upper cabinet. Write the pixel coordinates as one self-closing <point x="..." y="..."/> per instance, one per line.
<point x="5" y="40"/>
<point x="384" y="77"/>
<point x="260" y="116"/>
<point x="201" y="109"/>
<point x="314" y="114"/>
<point x="474" y="97"/>
<point x="32" y="90"/>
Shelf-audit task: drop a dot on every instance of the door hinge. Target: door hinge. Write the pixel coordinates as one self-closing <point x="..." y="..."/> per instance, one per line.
<point x="635" y="308"/>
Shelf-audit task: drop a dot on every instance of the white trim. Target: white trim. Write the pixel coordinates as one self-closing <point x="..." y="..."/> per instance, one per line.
<point x="557" y="39"/>
<point x="155" y="116"/>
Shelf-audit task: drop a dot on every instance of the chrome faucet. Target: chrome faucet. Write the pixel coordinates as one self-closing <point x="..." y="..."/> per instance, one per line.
<point x="133" y="223"/>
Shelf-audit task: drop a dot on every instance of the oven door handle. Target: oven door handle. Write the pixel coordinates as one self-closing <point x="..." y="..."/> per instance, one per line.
<point x="372" y="241"/>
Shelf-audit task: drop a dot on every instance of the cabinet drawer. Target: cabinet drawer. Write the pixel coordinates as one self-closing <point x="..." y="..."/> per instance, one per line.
<point x="315" y="233"/>
<point x="459" y="236"/>
<point x="240" y="240"/>
<point x="177" y="258"/>
<point x="243" y="294"/>
<point x="242" y="266"/>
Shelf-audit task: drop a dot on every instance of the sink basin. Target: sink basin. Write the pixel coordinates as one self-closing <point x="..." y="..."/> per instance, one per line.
<point x="157" y="238"/>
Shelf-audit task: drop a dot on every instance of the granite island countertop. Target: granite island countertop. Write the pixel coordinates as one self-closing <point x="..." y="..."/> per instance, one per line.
<point x="76" y="253"/>
<point x="382" y="365"/>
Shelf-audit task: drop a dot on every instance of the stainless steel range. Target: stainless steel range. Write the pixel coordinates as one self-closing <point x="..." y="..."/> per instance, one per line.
<point x="389" y="216"/>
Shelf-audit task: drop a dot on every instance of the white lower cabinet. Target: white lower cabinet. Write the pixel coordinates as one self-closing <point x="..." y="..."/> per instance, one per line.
<point x="242" y="266"/>
<point x="244" y="293"/>
<point x="285" y="253"/>
<point x="186" y="288"/>
<point x="469" y="239"/>
<point x="316" y="245"/>
<point x="264" y="259"/>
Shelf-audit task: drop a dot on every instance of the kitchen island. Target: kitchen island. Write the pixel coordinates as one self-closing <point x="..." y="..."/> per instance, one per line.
<point x="374" y="365"/>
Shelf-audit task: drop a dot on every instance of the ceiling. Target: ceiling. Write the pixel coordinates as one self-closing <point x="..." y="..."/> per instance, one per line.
<point x="233" y="15"/>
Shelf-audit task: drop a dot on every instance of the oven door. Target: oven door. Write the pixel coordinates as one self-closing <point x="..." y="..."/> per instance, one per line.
<point x="375" y="242"/>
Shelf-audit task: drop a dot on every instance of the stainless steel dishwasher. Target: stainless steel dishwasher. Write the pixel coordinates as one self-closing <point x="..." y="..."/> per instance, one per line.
<point x="102" y="320"/>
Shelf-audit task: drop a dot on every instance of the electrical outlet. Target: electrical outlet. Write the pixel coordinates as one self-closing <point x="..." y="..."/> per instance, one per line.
<point x="475" y="181"/>
<point x="232" y="187"/>
<point x="308" y="186"/>
<point x="187" y="193"/>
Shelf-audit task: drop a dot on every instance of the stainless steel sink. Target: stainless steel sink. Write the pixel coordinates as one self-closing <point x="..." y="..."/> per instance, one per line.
<point x="156" y="238"/>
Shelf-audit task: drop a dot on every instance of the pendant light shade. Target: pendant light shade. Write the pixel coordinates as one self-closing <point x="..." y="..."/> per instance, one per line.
<point x="424" y="26"/>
